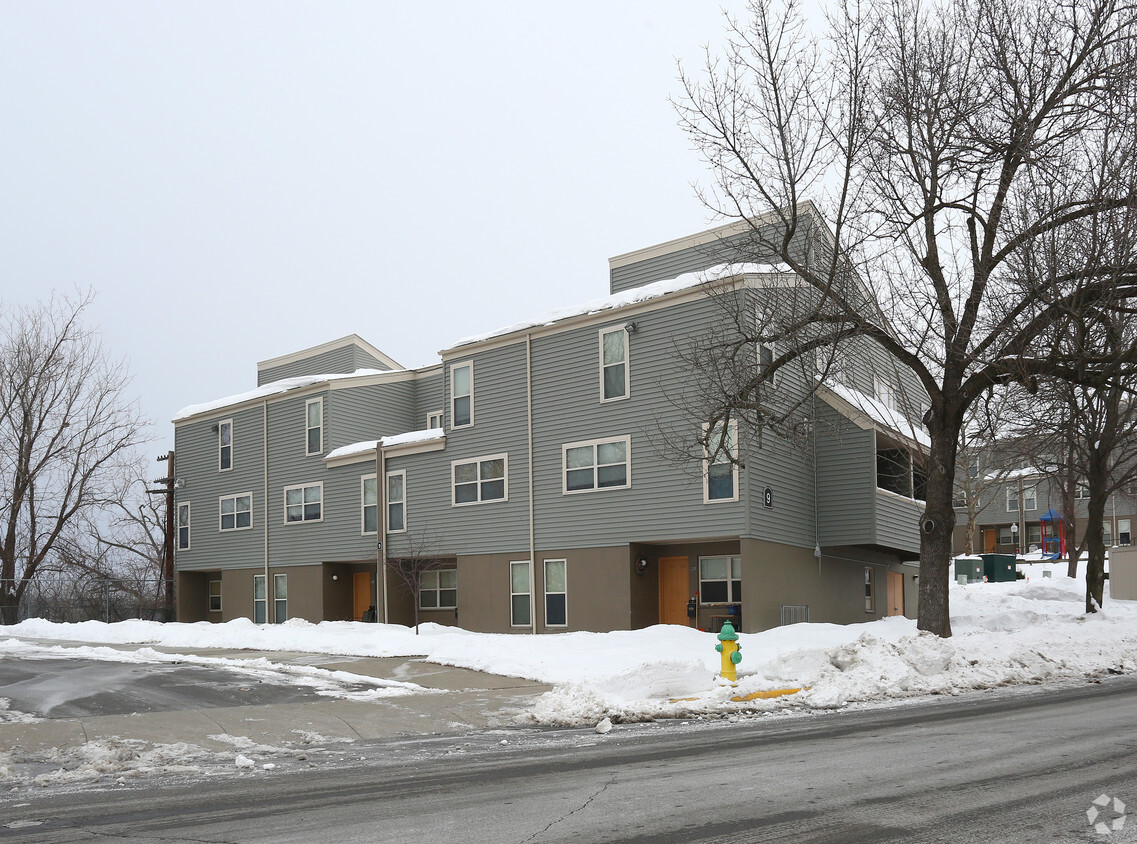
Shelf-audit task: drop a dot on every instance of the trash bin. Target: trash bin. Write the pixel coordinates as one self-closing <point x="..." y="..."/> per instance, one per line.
<point x="999" y="568"/>
<point x="969" y="567"/>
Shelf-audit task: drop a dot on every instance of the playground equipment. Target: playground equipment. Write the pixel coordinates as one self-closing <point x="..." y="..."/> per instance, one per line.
<point x="1053" y="535"/>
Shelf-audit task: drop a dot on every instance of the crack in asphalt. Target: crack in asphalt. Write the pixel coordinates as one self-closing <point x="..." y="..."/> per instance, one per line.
<point x="579" y="808"/>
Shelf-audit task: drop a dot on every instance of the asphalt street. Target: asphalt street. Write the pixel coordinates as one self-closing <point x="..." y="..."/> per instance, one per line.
<point x="1001" y="766"/>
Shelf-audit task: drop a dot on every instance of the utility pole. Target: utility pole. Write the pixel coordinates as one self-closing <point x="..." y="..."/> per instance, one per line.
<point x="167" y="490"/>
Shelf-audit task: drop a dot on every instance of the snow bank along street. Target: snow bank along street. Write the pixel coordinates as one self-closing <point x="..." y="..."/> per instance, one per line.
<point x="1024" y="632"/>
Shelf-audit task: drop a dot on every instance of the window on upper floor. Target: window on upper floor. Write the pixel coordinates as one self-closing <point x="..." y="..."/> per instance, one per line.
<point x="767" y="353"/>
<point x="479" y="480"/>
<point x="720" y="469"/>
<point x="1012" y="499"/>
<point x="884" y="392"/>
<point x="613" y="363"/>
<point x="225" y="445"/>
<point x="397" y="501"/>
<point x="314" y="415"/>
<point x="462" y="394"/>
<point x="597" y="464"/>
<point x="184" y="527"/>
<point x="369" y="504"/>
<point x="434" y="420"/>
<point x="236" y="511"/>
<point x="1030" y="498"/>
<point x="1081" y="490"/>
<point x="304" y="503"/>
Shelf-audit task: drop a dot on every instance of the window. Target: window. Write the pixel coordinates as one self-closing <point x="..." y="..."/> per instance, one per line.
<point x="314" y="412"/>
<point x="461" y="394"/>
<point x="556" y="594"/>
<point x="1012" y="499"/>
<point x="237" y="512"/>
<point x="1124" y="537"/>
<point x="438" y="589"/>
<point x="479" y="480"/>
<point x="1107" y="532"/>
<point x="973" y="467"/>
<point x="766" y="354"/>
<point x="869" y="605"/>
<point x="721" y="470"/>
<point x="1081" y="491"/>
<point x="599" y="464"/>
<point x="884" y="392"/>
<point x="613" y="364"/>
<point x="396" y="501"/>
<point x="183" y="527"/>
<point x="304" y="503"/>
<point x="369" y="504"/>
<point x="1007" y="536"/>
<point x="280" y="598"/>
<point x="225" y="445"/>
<point x="1034" y="535"/>
<point x="720" y="580"/>
<point x="260" y="608"/>
<point x="1030" y="498"/>
<point x="434" y="420"/>
<point x="520" y="595"/>
<point x="215" y="596"/>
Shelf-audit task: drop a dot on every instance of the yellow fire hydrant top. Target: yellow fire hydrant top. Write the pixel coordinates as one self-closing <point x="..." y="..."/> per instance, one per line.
<point x="731" y="651"/>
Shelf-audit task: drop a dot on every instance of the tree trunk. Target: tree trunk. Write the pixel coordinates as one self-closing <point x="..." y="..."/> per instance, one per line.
<point x="937" y="525"/>
<point x="1095" y="567"/>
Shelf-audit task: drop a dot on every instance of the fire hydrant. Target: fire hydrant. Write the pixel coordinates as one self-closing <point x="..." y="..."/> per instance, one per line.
<point x="731" y="651"/>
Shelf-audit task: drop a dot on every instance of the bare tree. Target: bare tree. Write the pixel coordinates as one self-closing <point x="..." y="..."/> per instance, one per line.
<point x="67" y="430"/>
<point x="980" y="467"/>
<point x="943" y="146"/>
<point x="418" y="557"/>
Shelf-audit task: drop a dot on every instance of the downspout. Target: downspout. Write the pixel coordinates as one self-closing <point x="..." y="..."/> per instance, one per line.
<point x="532" y="524"/>
<point x="381" y="501"/>
<point x="264" y="424"/>
<point x="813" y="459"/>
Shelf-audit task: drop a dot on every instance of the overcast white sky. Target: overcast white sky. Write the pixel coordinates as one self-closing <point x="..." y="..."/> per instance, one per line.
<point x="240" y="180"/>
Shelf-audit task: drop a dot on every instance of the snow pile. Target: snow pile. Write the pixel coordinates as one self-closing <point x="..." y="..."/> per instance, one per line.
<point x="1005" y="634"/>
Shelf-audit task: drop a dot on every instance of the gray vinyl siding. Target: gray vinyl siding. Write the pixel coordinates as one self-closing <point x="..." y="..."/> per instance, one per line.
<point x="344" y="359"/>
<point x="897" y="522"/>
<point x="368" y="412"/>
<point x="195" y="446"/>
<point x="430" y="397"/>
<point x="846" y="480"/>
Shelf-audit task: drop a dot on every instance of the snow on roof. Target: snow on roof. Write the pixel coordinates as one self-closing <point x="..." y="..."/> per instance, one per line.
<point x="881" y="413"/>
<point x="627" y="297"/>
<point x="365" y="446"/>
<point x="284" y="385"/>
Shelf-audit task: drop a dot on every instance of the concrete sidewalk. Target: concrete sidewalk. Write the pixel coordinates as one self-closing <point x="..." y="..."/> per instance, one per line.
<point x="461" y="701"/>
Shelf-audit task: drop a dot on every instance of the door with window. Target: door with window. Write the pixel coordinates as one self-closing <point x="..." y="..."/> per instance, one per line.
<point x="674" y="590"/>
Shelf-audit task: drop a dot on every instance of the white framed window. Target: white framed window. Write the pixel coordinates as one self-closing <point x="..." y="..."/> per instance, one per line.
<point x="225" y="445"/>
<point x="438" y="589"/>
<point x="215" y="596"/>
<point x="304" y="503"/>
<point x="184" y="527"/>
<point x="720" y="580"/>
<point x="480" y="480"/>
<point x="973" y="467"/>
<point x="279" y="598"/>
<point x="613" y="363"/>
<point x="397" y="501"/>
<point x="314" y="418"/>
<point x="520" y="594"/>
<point x="556" y="593"/>
<point x="434" y="420"/>
<point x="884" y="392"/>
<point x="1030" y="498"/>
<point x="1081" y="491"/>
<point x="1107" y="532"/>
<point x="720" y="468"/>
<point x="368" y="505"/>
<point x="1034" y="535"/>
<point x="597" y="464"/>
<point x="236" y="511"/>
<point x="870" y="604"/>
<point x="1012" y="499"/>
<point x="767" y="352"/>
<point x="462" y="394"/>
<point x="260" y="605"/>
<point x="1124" y="536"/>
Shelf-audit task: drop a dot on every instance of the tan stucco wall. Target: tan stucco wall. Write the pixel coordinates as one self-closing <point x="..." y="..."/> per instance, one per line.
<point x="192" y="596"/>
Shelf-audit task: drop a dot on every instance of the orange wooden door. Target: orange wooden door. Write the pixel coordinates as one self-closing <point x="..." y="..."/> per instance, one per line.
<point x="361" y="594"/>
<point x="990" y="536"/>
<point x="895" y="593"/>
<point x="673" y="590"/>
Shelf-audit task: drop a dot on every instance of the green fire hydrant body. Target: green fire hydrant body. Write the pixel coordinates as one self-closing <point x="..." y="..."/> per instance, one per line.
<point x="731" y="651"/>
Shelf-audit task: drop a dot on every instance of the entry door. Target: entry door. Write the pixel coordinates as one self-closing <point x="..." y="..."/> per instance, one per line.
<point x="361" y="594"/>
<point x="895" y="593"/>
<point x="673" y="590"/>
<point x="990" y="537"/>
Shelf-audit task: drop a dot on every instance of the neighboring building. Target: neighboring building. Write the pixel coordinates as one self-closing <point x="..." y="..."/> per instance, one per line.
<point x="1011" y="505"/>
<point x="524" y="463"/>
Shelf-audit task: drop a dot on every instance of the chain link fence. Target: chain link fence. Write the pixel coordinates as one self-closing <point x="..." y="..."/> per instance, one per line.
<point x="66" y="598"/>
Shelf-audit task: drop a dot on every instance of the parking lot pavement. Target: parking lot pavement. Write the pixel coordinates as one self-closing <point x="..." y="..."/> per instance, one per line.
<point x="75" y="701"/>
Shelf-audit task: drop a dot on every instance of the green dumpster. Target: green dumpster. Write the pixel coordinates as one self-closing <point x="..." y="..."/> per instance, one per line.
<point x="969" y="567"/>
<point x="999" y="568"/>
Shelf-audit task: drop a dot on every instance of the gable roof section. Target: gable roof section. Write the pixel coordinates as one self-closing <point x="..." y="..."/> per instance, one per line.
<point x="350" y="340"/>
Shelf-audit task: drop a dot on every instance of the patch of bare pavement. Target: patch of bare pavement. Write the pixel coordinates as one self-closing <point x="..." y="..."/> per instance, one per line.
<point x="76" y="721"/>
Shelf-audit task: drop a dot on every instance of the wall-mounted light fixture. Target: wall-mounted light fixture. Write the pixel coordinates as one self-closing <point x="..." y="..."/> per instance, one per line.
<point x="179" y="483"/>
<point x="641" y="565"/>
<point x="216" y="429"/>
<point x="630" y="327"/>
